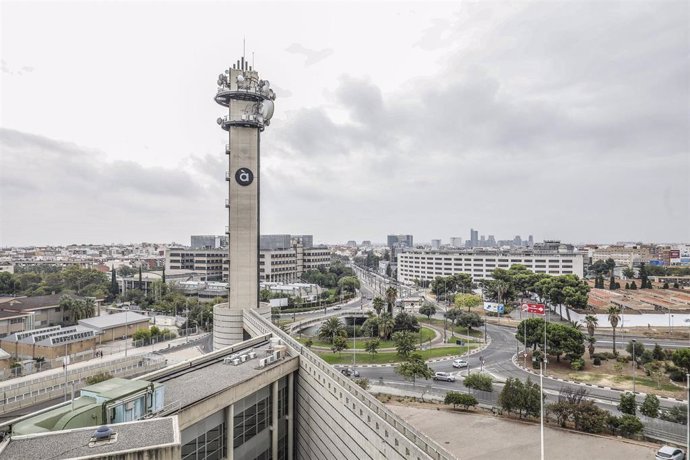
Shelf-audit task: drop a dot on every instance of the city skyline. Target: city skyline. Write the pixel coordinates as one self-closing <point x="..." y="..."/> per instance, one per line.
<point x="513" y="118"/>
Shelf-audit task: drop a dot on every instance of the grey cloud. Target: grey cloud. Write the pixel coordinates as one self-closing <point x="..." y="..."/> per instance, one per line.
<point x="54" y="190"/>
<point x="312" y="56"/>
<point x="544" y="116"/>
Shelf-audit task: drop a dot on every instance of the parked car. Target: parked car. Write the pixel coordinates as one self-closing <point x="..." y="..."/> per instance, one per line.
<point x="669" y="453"/>
<point x="444" y="376"/>
<point x="350" y="372"/>
<point x="460" y="363"/>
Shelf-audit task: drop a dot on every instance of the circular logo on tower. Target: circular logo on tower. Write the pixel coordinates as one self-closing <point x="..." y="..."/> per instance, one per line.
<point x="244" y="176"/>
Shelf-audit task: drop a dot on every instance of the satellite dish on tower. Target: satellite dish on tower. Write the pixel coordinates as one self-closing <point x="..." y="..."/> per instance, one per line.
<point x="267" y="108"/>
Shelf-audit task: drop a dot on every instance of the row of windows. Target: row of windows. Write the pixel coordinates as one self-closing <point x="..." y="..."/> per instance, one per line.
<point x="208" y="446"/>
<point x="252" y="421"/>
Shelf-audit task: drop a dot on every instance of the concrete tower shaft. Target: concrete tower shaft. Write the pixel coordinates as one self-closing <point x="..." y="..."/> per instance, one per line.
<point x="250" y="107"/>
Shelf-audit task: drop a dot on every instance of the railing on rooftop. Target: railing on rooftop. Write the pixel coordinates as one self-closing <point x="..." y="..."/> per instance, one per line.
<point x="428" y="445"/>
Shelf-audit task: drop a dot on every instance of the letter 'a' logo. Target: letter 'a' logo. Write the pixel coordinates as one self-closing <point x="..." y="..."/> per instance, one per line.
<point x="244" y="176"/>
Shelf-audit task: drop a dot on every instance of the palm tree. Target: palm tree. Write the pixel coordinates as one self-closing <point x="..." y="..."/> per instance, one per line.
<point x="501" y="288"/>
<point x="614" y="317"/>
<point x="331" y="328"/>
<point x="592" y="322"/>
<point x="391" y="295"/>
<point x="89" y="308"/>
<point x="378" y="304"/>
<point x="386" y="325"/>
<point x="591" y="340"/>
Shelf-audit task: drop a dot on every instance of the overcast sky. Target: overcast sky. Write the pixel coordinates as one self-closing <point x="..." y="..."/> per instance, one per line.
<point x="566" y="120"/>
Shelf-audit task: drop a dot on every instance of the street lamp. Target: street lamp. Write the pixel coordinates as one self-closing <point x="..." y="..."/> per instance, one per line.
<point x="634" y="363"/>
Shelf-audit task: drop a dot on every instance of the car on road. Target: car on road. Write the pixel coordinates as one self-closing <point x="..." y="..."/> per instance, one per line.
<point x="350" y="372"/>
<point x="669" y="453"/>
<point x="337" y="307"/>
<point x="460" y="363"/>
<point x="444" y="376"/>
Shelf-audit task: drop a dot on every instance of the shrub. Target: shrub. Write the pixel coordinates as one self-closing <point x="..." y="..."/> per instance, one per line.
<point x="629" y="425"/>
<point x="623" y="359"/>
<point x="460" y="399"/>
<point x="677" y="375"/>
<point x="650" y="406"/>
<point x="596" y="361"/>
<point x="590" y="418"/>
<point x="646" y="357"/>
<point x="577" y="364"/>
<point x="627" y="403"/>
<point x="677" y="414"/>
<point x="309" y="343"/>
<point x="479" y="381"/>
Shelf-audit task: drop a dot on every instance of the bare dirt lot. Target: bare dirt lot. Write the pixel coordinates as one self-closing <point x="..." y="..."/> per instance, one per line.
<point x="478" y="436"/>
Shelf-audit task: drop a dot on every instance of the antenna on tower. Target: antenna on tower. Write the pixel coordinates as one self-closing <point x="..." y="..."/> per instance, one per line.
<point x="253" y="66"/>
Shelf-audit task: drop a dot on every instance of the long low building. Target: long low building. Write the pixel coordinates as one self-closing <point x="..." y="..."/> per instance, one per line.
<point x="425" y="265"/>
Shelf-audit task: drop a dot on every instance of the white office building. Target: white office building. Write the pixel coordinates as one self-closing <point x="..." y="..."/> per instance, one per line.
<point x="425" y="265"/>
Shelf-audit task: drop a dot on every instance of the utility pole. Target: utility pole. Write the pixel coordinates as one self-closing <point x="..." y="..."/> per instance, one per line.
<point x="541" y="408"/>
<point x="634" y="363"/>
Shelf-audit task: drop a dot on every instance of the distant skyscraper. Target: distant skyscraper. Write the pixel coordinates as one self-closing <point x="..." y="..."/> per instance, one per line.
<point x="456" y="242"/>
<point x="517" y="241"/>
<point x="491" y="242"/>
<point x="398" y="242"/>
<point x="531" y="241"/>
<point x="482" y="242"/>
<point x="474" y="238"/>
<point x="435" y="244"/>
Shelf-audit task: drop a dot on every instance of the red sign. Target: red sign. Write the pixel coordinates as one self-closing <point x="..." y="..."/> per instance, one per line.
<point x="537" y="308"/>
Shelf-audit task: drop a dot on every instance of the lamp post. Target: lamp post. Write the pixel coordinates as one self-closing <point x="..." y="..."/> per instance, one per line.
<point x="634" y="363"/>
<point x="541" y="408"/>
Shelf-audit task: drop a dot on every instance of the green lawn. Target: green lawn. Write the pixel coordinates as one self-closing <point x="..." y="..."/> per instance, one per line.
<point x="425" y="333"/>
<point x="458" y="330"/>
<point x="389" y="357"/>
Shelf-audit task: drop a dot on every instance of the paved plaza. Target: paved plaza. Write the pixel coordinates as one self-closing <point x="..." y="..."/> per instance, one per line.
<point x="478" y="436"/>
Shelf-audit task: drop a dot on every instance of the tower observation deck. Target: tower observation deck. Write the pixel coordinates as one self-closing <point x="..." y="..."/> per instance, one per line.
<point x="250" y="107"/>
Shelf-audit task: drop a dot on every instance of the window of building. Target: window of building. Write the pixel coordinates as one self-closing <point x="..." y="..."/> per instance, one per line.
<point x="208" y="446"/>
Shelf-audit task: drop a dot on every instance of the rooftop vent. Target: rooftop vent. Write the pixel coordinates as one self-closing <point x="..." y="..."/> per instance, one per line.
<point x="103" y="435"/>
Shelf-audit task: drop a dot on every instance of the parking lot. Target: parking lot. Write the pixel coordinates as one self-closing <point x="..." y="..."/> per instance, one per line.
<point x="477" y="436"/>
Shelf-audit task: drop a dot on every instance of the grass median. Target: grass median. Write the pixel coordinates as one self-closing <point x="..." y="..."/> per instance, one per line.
<point x="390" y="357"/>
<point x="424" y="335"/>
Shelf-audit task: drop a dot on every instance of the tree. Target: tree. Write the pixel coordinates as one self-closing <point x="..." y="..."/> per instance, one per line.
<point x="414" y="368"/>
<point x="633" y="285"/>
<point x="339" y="344"/>
<point x="627" y="403"/>
<point x="372" y="346"/>
<point x="468" y="301"/>
<point x="665" y="286"/>
<point x="681" y="358"/>
<point x="386" y="325"/>
<point x="391" y="295"/>
<point x="534" y="327"/>
<point x="658" y="352"/>
<point x="639" y="349"/>
<point x="405" y="343"/>
<point x="650" y="406"/>
<point x="628" y="272"/>
<point x="370" y="327"/>
<point x="589" y="418"/>
<point x="348" y="284"/>
<point x="591" y="340"/>
<point x="331" y="328"/>
<point x="378" y="304"/>
<point x="469" y="320"/>
<point x="479" y="381"/>
<point x="644" y="277"/>
<point x="614" y="317"/>
<point x="591" y="322"/>
<point x="114" y="288"/>
<point x="676" y="285"/>
<point x="463" y="282"/>
<point x="405" y="322"/>
<point x="460" y="399"/>
<point x="509" y="399"/>
<point x="565" y="339"/>
<point x="428" y="309"/>
<point x="612" y="283"/>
